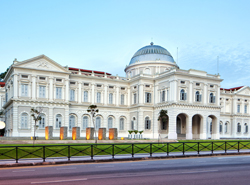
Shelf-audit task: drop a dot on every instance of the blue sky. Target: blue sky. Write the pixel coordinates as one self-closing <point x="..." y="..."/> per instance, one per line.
<point x="104" y="35"/>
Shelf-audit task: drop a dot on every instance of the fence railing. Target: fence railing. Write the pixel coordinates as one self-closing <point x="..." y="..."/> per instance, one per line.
<point x="90" y="151"/>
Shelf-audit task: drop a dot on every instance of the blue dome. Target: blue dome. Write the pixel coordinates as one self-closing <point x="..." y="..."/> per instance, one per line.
<point x="151" y="53"/>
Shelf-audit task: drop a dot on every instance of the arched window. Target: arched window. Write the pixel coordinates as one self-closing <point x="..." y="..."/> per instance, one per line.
<point x="110" y="122"/>
<point x="135" y="98"/>
<point x="147" y="123"/>
<point x="238" y="128"/>
<point x="71" y="121"/>
<point x="226" y="126"/>
<point x="42" y="121"/>
<point x="24" y="120"/>
<point x="98" y="97"/>
<point x="122" y="99"/>
<point x="121" y="123"/>
<point x="221" y="127"/>
<point x="85" y="122"/>
<point x="110" y="98"/>
<point x="198" y="96"/>
<point x="211" y="127"/>
<point x="58" y="120"/>
<point x="183" y="95"/>
<point x="98" y="122"/>
<point x="133" y="123"/>
<point x="246" y="128"/>
<point x="85" y="96"/>
<point x="211" y="98"/>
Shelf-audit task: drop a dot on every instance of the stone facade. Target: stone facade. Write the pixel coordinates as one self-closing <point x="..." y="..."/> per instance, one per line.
<point x="196" y="104"/>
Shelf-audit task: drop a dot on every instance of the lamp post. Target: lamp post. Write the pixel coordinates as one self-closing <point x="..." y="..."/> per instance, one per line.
<point x="92" y="109"/>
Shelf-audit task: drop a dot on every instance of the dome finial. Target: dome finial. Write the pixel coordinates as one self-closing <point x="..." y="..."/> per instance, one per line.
<point x="151" y="43"/>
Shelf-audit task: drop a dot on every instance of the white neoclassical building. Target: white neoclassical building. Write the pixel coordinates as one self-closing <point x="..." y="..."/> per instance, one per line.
<point x="197" y="107"/>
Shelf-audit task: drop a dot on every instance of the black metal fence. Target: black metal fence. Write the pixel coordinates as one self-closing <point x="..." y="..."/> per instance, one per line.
<point x="119" y="150"/>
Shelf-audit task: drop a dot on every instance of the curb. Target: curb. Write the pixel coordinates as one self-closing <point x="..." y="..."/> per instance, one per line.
<point x="115" y="160"/>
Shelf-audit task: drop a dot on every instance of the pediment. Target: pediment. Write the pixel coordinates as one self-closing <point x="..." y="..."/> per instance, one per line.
<point x="41" y="62"/>
<point x="244" y="91"/>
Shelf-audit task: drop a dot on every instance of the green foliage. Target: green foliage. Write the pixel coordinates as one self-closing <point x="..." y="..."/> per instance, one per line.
<point x="163" y="115"/>
<point x="140" y="132"/>
<point x="135" y="131"/>
<point x="2" y="75"/>
<point x="130" y="131"/>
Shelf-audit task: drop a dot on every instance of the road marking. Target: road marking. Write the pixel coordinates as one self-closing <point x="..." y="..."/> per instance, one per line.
<point x="105" y="166"/>
<point x="200" y="171"/>
<point x="71" y="180"/>
<point x="138" y="164"/>
<point x="65" y="168"/>
<point x="23" y="171"/>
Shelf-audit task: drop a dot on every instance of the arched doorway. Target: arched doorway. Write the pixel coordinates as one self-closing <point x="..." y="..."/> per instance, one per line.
<point x="163" y="126"/>
<point x="181" y="125"/>
<point x="213" y="127"/>
<point x="197" y="126"/>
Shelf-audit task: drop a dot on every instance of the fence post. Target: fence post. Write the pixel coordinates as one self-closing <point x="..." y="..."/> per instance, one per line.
<point x="68" y="152"/>
<point x="92" y="153"/>
<point x="16" y="154"/>
<point x="150" y="149"/>
<point x="43" y="153"/>
<point x="225" y="147"/>
<point x="183" y="150"/>
<point x="198" y="147"/>
<point x="212" y="147"/>
<point x="113" y="151"/>
<point x="238" y="146"/>
<point x="132" y="150"/>
<point x="167" y="149"/>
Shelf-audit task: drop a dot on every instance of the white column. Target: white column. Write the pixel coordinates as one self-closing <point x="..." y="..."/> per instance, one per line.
<point x="105" y="99"/>
<point x="205" y="94"/>
<point x="218" y="96"/>
<point x="117" y="96"/>
<point x="51" y="90"/>
<point x="93" y="93"/>
<point x="33" y="87"/>
<point x="203" y="130"/>
<point x="191" y="92"/>
<point x="79" y="92"/>
<point x="140" y="121"/>
<point x="141" y="94"/>
<point x="15" y="87"/>
<point x="66" y="90"/>
<point x="172" y="127"/>
<point x="128" y="97"/>
<point x="189" y="134"/>
<point x="224" y="105"/>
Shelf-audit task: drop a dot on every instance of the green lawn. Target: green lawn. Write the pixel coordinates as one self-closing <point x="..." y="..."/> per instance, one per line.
<point x="63" y="150"/>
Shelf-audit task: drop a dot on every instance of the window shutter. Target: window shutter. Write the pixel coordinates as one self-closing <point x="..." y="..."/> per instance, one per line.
<point x="213" y="99"/>
<point x="146" y="97"/>
<point x="246" y="128"/>
<point x="185" y="96"/>
<point x="132" y="125"/>
<point x="200" y="97"/>
<point x="239" y="128"/>
<point x="181" y="96"/>
<point x="149" y="124"/>
<point x="149" y="97"/>
<point x="145" y="124"/>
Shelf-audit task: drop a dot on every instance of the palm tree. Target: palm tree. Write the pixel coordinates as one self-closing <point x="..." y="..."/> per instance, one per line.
<point x="36" y="114"/>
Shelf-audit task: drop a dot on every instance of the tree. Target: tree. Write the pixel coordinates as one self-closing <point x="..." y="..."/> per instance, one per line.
<point x="163" y="116"/>
<point x="2" y="75"/>
<point x="93" y="110"/>
<point x="36" y="114"/>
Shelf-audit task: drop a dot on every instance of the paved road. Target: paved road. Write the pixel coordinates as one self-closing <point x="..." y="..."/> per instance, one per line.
<point x="228" y="170"/>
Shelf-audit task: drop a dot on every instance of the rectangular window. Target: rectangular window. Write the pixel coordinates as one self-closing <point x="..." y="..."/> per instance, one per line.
<point x="42" y="78"/>
<point x="163" y="96"/>
<point x="245" y="109"/>
<point x="147" y="97"/>
<point x="24" y="90"/>
<point x="24" y="76"/>
<point x="85" y="96"/>
<point x="111" y="87"/>
<point x="72" y="83"/>
<point x="58" y="93"/>
<point x="99" y="85"/>
<point x="110" y="98"/>
<point x="42" y="90"/>
<point x="134" y="98"/>
<point x="122" y="99"/>
<point x="58" y="80"/>
<point x="72" y="95"/>
<point x="98" y="97"/>
<point x="123" y="88"/>
<point x="86" y="84"/>
<point x="238" y="108"/>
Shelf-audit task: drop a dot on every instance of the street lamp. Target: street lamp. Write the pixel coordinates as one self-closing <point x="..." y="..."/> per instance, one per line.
<point x="92" y="109"/>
